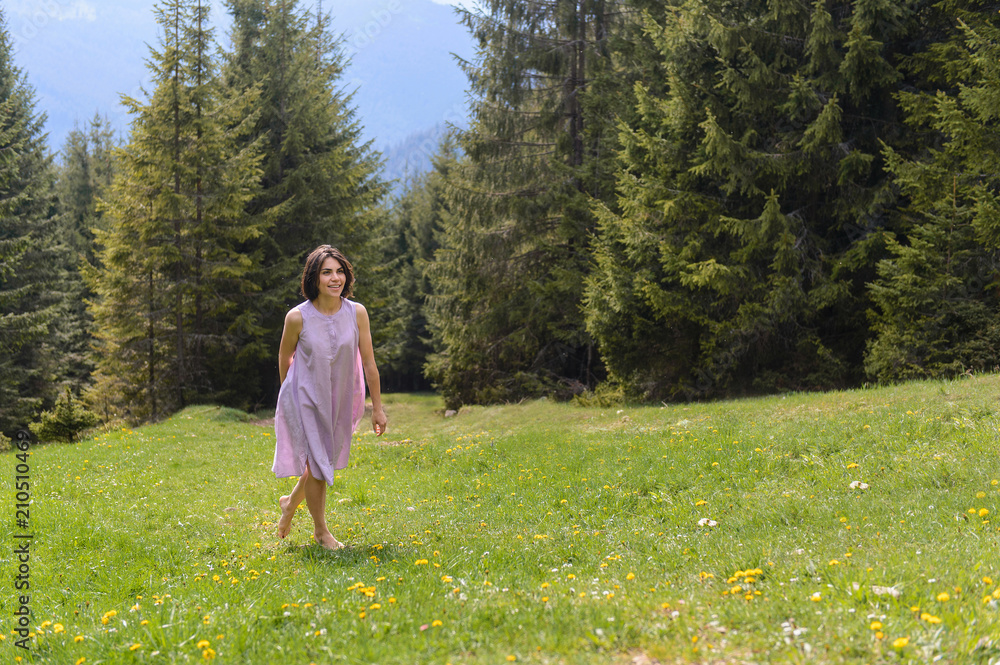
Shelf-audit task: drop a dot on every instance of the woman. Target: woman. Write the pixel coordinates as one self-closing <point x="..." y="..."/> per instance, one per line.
<point x="322" y="396"/>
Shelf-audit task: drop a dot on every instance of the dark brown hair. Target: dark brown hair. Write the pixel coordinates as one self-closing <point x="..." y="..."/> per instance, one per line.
<point x="310" y="274"/>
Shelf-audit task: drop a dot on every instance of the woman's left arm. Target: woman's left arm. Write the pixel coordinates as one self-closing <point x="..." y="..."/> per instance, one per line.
<point x="371" y="369"/>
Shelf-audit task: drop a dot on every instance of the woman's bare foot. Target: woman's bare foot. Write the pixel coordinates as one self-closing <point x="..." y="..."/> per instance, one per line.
<point x="287" y="513"/>
<point x="328" y="541"/>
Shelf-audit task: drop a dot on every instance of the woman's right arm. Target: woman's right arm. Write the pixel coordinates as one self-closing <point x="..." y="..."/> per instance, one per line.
<point x="289" y="340"/>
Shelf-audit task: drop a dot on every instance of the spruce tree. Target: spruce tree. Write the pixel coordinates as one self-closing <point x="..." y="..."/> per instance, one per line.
<point x="403" y="285"/>
<point x="171" y="272"/>
<point x="319" y="182"/>
<point x="82" y="179"/>
<point x="751" y="197"/>
<point x="29" y="260"/>
<point x="508" y="278"/>
<point x="936" y="302"/>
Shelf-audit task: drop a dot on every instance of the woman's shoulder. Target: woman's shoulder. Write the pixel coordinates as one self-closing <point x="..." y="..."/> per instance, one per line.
<point x="295" y="314"/>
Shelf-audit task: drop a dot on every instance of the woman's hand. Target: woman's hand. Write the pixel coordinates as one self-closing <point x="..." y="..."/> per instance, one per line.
<point x="378" y="421"/>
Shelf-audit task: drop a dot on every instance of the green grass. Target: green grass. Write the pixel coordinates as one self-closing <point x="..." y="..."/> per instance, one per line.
<point x="542" y="532"/>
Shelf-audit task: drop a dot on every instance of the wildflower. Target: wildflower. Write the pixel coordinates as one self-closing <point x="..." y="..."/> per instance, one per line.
<point x="630" y="576"/>
<point x="511" y="659"/>
<point x="135" y="647"/>
<point x="834" y="562"/>
<point x="852" y="465"/>
<point x="879" y="635"/>
<point x="375" y="606"/>
<point x="81" y="660"/>
<point x="876" y="625"/>
<point x="436" y="623"/>
<point x="816" y="597"/>
<point x="987" y="581"/>
<point x="208" y="654"/>
<point x="980" y="495"/>
<point x="203" y="644"/>
<point x="943" y="597"/>
<point x="704" y="576"/>
<point x="78" y="639"/>
<point x="929" y="618"/>
<point x="57" y="628"/>
<point x="983" y="512"/>
<point x="420" y="562"/>
<point x="701" y="502"/>
<point x="900" y="642"/>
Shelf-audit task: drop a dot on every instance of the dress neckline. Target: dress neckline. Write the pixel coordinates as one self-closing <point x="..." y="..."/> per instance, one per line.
<point x="343" y="303"/>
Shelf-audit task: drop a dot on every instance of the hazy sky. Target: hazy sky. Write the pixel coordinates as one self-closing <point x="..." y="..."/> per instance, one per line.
<point x="80" y="55"/>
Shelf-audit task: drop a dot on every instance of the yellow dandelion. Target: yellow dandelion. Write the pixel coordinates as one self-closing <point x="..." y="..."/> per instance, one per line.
<point x="852" y="465"/>
<point x="81" y="660"/>
<point x="203" y="644"/>
<point x="571" y="576"/>
<point x="834" y="562"/>
<point x="930" y="618"/>
<point x="879" y="635"/>
<point x="876" y="625"/>
<point x="511" y="659"/>
<point x="208" y="654"/>
<point x="545" y="585"/>
<point x="58" y="628"/>
<point x="375" y="606"/>
<point x="816" y="597"/>
<point x="980" y="495"/>
<point x="705" y="576"/>
<point x="736" y="589"/>
<point x="78" y="639"/>
<point x="987" y="581"/>
<point x="420" y="562"/>
<point x="701" y="502"/>
<point x="436" y="623"/>
<point x="630" y="576"/>
<point x="135" y="647"/>
<point x="943" y="597"/>
<point x="983" y="512"/>
<point x="362" y="615"/>
<point x="900" y="642"/>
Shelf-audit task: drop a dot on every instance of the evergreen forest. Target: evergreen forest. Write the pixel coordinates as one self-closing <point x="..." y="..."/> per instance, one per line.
<point x="652" y="201"/>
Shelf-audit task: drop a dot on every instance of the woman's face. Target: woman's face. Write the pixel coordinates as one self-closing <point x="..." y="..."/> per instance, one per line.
<point x="331" y="278"/>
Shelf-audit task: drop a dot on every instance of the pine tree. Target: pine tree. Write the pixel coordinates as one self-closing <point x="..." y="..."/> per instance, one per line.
<point x="319" y="182"/>
<point x="508" y="278"/>
<point x="936" y="300"/>
<point x="83" y="178"/>
<point x="399" y="315"/>
<point x="170" y="271"/>
<point x="751" y="197"/>
<point x="29" y="259"/>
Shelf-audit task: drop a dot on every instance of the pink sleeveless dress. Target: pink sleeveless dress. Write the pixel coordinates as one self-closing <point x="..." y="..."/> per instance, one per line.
<point x="322" y="399"/>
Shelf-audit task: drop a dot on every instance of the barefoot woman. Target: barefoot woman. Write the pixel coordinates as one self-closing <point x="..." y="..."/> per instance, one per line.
<point x="322" y="396"/>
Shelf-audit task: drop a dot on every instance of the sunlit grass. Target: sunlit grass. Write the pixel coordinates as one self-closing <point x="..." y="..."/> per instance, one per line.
<point x="540" y="532"/>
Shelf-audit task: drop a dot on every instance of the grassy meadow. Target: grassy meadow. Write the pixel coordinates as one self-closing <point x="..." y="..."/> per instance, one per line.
<point x="858" y="526"/>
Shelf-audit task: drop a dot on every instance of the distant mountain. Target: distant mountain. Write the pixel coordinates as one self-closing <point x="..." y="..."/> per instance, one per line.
<point x="410" y="157"/>
<point x="81" y="55"/>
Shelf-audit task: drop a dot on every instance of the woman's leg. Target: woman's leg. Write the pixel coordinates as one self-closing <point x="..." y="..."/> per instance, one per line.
<point x="315" y="490"/>
<point x="290" y="503"/>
